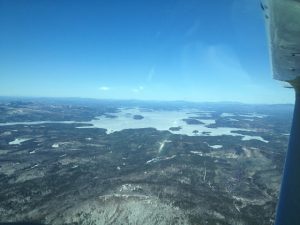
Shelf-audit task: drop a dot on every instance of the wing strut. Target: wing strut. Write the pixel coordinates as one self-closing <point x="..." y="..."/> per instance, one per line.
<point x="283" y="20"/>
<point x="288" y="209"/>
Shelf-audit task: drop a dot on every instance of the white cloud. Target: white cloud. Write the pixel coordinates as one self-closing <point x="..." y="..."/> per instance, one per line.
<point x="104" y="88"/>
<point x="138" y="89"/>
<point x="151" y="73"/>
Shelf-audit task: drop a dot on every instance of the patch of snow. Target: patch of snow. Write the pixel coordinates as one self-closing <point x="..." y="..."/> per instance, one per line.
<point x="248" y="138"/>
<point x="130" y="187"/>
<point x="162" y="145"/>
<point x="34" y="166"/>
<point x="227" y="155"/>
<point x="6" y="133"/>
<point x="157" y="159"/>
<point x="55" y="145"/>
<point x="197" y="153"/>
<point x="237" y="208"/>
<point x="248" y="152"/>
<point x="216" y="146"/>
<point x="18" y="141"/>
<point x="254" y="115"/>
<point x="227" y="115"/>
<point x="36" y="123"/>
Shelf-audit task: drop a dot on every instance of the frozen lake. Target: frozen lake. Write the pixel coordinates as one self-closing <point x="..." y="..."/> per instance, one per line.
<point x="164" y="120"/>
<point x="135" y="118"/>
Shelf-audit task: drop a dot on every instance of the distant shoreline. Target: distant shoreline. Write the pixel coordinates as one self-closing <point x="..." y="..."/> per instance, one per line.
<point x="98" y="100"/>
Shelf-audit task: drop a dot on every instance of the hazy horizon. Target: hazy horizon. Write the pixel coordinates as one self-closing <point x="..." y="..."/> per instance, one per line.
<point x="137" y="100"/>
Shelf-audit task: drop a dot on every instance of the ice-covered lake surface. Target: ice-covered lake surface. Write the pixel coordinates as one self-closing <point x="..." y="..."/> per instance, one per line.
<point x="161" y="120"/>
<point x="164" y="120"/>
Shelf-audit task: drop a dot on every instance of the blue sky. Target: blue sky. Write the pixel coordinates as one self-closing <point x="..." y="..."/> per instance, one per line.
<point x="195" y="50"/>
